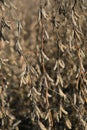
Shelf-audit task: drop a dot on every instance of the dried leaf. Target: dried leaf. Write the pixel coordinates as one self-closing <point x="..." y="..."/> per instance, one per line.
<point x="63" y="110"/>
<point x="75" y="99"/>
<point x="82" y="53"/>
<point x="55" y="67"/>
<point x="78" y="36"/>
<point x="61" y="93"/>
<point x="45" y="56"/>
<point x="16" y="124"/>
<point x="36" y="91"/>
<point x="49" y="95"/>
<point x="46" y="83"/>
<point x="68" y="123"/>
<point x="38" y="69"/>
<point x="44" y="13"/>
<point x="42" y="127"/>
<point x="48" y="3"/>
<point x="60" y="80"/>
<point x="47" y="35"/>
<point x="73" y="19"/>
<point x="77" y="15"/>
<point x="61" y="63"/>
<point x="79" y="32"/>
<point x="39" y="15"/>
<point x="49" y="78"/>
<point x="62" y="46"/>
<point x="57" y="81"/>
<point x="29" y="94"/>
<point x="81" y="99"/>
<point x="37" y="109"/>
<point x="47" y="115"/>
<point x="18" y="47"/>
<point x="33" y="71"/>
<point x="1" y="114"/>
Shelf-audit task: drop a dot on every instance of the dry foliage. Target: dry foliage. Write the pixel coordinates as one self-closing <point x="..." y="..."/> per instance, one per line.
<point x="43" y="65"/>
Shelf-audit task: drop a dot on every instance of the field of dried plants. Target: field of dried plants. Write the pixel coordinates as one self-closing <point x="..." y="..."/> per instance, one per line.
<point x="43" y="65"/>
